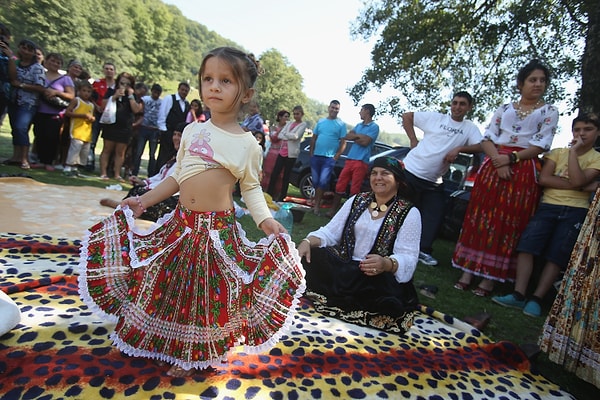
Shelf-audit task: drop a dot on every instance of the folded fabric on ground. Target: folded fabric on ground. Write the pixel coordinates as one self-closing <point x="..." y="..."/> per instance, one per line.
<point x="62" y="350"/>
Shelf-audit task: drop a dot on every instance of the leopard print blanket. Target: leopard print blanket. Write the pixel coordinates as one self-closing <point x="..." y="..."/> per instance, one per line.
<point x="61" y="350"/>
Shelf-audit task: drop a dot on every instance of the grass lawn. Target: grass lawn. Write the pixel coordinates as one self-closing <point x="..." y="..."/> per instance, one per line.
<point x="506" y="324"/>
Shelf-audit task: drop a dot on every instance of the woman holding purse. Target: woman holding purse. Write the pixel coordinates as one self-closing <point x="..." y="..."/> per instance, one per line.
<point x="48" y="121"/>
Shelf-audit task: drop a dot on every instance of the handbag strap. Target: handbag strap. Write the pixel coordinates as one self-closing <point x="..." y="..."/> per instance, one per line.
<point x="55" y="80"/>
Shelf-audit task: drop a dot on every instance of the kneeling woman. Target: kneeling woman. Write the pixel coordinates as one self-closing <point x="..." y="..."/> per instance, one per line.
<point x="365" y="257"/>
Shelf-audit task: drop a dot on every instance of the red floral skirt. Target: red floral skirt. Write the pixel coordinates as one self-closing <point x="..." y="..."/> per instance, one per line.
<point x="498" y="212"/>
<point x="191" y="288"/>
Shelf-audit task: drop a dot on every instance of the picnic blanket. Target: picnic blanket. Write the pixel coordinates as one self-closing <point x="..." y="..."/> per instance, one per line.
<point x="62" y="350"/>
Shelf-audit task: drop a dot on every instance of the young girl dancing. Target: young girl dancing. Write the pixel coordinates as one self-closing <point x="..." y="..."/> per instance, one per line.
<point x="193" y="287"/>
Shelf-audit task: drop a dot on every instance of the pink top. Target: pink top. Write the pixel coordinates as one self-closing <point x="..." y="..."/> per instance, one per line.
<point x="190" y="118"/>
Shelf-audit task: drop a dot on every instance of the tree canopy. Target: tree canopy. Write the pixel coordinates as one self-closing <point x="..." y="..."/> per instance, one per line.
<point x="427" y="49"/>
<point x="148" y="38"/>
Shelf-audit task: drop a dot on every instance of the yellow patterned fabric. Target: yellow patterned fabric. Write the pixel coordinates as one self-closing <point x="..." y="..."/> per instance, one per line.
<point x="571" y="333"/>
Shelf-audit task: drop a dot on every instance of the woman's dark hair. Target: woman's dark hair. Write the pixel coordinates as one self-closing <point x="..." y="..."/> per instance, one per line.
<point x="4" y="34"/>
<point x="396" y="167"/>
<point x="281" y="113"/>
<point x="262" y="140"/>
<point x="529" y="68"/>
<point x="56" y="56"/>
<point x="126" y="75"/>
<point x="29" y="44"/>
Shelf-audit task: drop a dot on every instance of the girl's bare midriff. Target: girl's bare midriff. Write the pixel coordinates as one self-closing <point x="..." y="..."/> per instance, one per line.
<point x="208" y="191"/>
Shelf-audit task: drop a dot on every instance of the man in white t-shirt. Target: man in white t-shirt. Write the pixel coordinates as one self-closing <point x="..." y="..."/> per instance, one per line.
<point x="444" y="136"/>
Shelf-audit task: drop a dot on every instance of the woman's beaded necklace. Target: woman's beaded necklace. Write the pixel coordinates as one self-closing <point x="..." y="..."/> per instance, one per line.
<point x="377" y="208"/>
<point x="524" y="113"/>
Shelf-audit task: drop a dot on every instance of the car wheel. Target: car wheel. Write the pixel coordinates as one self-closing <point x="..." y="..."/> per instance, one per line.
<point x="306" y="188"/>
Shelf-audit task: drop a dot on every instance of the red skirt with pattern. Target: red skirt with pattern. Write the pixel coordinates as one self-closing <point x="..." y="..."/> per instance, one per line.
<point x="192" y="288"/>
<point x="498" y="212"/>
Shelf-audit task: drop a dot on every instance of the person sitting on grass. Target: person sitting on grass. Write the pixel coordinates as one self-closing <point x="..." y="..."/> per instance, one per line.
<point x="141" y="186"/>
<point x="567" y="176"/>
<point x="362" y="262"/>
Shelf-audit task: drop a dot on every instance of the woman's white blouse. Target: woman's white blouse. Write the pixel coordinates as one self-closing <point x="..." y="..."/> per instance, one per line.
<point x="406" y="246"/>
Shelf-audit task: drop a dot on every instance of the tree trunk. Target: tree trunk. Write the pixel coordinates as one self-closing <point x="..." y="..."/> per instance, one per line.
<point x="589" y="100"/>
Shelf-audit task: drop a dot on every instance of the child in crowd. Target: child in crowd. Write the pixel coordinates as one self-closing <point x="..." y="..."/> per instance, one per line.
<point x="260" y="138"/>
<point x="567" y="176"/>
<point x="192" y="288"/>
<point x="195" y="114"/>
<point x="81" y="114"/>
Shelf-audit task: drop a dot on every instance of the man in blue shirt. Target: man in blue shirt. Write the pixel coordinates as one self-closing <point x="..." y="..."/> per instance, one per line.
<point x="327" y="146"/>
<point x="356" y="166"/>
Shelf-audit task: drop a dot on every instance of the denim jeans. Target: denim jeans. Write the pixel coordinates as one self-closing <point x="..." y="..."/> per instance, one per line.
<point x="20" y="122"/>
<point x="552" y="233"/>
<point x="321" y="169"/>
<point x="429" y="199"/>
<point x="151" y="136"/>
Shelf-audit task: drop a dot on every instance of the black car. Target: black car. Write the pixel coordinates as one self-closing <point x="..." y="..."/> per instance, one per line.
<point x="301" y="177"/>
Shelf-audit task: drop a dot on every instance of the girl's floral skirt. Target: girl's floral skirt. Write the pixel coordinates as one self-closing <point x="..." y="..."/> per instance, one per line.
<point x="192" y="288"/>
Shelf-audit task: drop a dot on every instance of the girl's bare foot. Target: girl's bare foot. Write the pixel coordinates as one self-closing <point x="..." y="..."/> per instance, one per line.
<point x="109" y="203"/>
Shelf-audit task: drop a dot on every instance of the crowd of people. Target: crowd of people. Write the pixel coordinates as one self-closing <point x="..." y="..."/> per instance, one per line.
<point x="527" y="202"/>
<point x="68" y="118"/>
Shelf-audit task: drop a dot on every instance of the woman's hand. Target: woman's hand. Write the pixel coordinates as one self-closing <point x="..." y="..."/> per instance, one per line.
<point x="4" y="48"/>
<point x="504" y="172"/>
<point x="49" y="92"/>
<point x="373" y="264"/>
<point x="120" y="92"/>
<point x="304" y="250"/>
<point x="137" y="181"/>
<point x="271" y="226"/>
<point x="500" y="160"/>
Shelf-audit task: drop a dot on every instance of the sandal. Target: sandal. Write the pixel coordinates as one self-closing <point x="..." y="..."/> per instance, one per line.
<point x="25" y="166"/>
<point x="119" y="179"/>
<point x="461" y="285"/>
<point x="481" y="292"/>
<point x="104" y="177"/>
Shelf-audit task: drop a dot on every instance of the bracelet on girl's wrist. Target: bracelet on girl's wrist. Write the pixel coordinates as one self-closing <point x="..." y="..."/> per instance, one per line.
<point x="140" y="204"/>
<point x="307" y="241"/>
